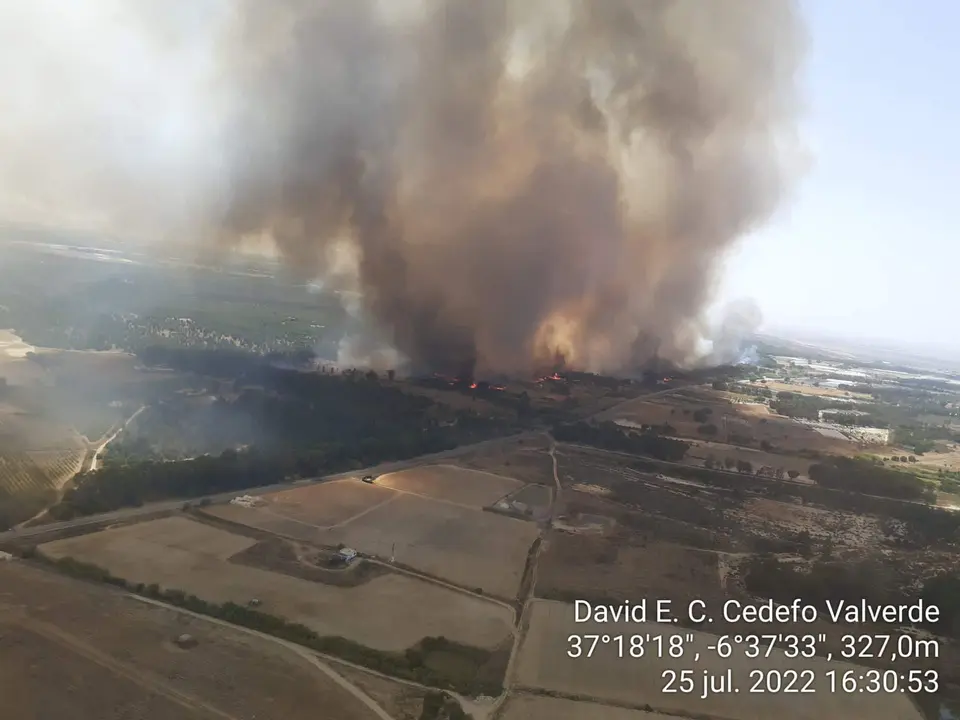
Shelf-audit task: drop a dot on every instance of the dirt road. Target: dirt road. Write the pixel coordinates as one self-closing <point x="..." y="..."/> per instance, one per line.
<point x="97" y="460"/>
<point x="168" y="506"/>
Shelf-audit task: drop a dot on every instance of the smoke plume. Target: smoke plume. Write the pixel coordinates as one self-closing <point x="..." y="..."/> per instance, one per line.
<point x="518" y="180"/>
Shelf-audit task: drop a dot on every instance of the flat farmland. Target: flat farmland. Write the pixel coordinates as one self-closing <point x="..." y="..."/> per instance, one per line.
<point x="41" y="679"/>
<point x="527" y="461"/>
<point x="583" y="566"/>
<point x="71" y="649"/>
<point x="390" y="612"/>
<point x="468" y="547"/>
<point x="329" y="503"/>
<point x="830" y="392"/>
<point x="474" y="488"/>
<point x="532" y="707"/>
<point x="543" y="664"/>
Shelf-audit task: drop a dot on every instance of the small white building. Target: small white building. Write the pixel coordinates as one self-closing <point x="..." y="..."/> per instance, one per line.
<point x="5" y="556"/>
<point x="348" y="555"/>
<point x="248" y="501"/>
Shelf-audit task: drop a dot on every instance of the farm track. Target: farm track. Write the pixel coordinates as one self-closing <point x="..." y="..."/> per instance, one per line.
<point x="315" y="658"/>
<point x="169" y="506"/>
<point x="530" y="588"/>
<point x="148" y="681"/>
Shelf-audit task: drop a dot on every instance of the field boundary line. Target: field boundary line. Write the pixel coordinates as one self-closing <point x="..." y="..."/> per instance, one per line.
<point x="302" y="651"/>
<point x="399" y="568"/>
<point x="146" y="680"/>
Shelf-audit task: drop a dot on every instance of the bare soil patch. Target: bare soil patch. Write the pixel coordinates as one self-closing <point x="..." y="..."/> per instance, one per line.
<point x="239" y="675"/>
<point x="475" y="488"/>
<point x="391" y="612"/>
<point x="543" y="663"/>
<point x="328" y="503"/>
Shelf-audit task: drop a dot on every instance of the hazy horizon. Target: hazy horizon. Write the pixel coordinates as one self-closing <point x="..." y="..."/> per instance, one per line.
<point x="865" y="249"/>
<point x="860" y="250"/>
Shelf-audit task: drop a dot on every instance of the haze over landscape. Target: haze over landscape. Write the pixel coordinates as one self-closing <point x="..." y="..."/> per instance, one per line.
<point x="868" y="248"/>
<point x="874" y="161"/>
<point x="478" y="360"/>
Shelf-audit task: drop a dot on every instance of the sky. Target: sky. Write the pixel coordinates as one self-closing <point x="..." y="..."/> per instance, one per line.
<point x="867" y="248"/>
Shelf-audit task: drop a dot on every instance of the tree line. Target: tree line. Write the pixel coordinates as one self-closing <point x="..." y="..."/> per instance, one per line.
<point x="610" y="436"/>
<point x="292" y="424"/>
<point x="466" y="669"/>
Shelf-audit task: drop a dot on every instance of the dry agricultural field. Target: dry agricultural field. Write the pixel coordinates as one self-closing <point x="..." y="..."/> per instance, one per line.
<point x="532" y="707"/>
<point x="543" y="664"/>
<point x="450" y="483"/>
<point x="70" y="649"/>
<point x="454" y="541"/>
<point x="326" y="504"/>
<point x="576" y="565"/>
<point x="470" y="548"/>
<point x="390" y="612"/>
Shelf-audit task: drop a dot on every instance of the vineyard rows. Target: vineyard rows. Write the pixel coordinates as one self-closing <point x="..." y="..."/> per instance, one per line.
<point x="22" y="472"/>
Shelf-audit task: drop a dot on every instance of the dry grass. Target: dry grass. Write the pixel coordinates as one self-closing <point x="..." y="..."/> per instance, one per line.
<point x="948" y="460"/>
<point x="810" y="390"/>
<point x="770" y="518"/>
<point x="754" y="422"/>
<point x="543" y="663"/>
<point x="328" y="503"/>
<point x="700" y="450"/>
<point x="467" y="547"/>
<point x="474" y="488"/>
<point x="391" y="612"/>
<point x="573" y="566"/>
<point x="81" y="651"/>
<point x="531" y="707"/>
<point x="527" y="462"/>
<point x="400" y="701"/>
<point x="44" y="679"/>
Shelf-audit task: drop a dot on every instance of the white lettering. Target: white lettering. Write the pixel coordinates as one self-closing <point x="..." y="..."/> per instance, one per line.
<point x="698" y="607"/>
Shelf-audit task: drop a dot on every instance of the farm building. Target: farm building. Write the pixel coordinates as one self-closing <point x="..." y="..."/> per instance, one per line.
<point x="347" y="555"/>
<point x="4" y="556"/>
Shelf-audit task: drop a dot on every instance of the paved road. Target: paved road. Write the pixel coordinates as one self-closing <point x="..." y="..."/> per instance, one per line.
<point x="172" y="505"/>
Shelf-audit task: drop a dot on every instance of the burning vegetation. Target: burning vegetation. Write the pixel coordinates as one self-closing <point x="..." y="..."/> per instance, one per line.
<point x="508" y="183"/>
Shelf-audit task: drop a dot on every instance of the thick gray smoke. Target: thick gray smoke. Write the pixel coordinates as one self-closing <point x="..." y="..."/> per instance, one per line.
<point x="729" y="340"/>
<point x="517" y="180"/>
